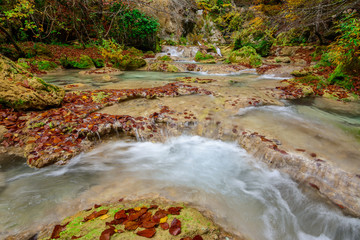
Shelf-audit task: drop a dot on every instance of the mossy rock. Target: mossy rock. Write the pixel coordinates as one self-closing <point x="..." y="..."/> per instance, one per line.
<point x="45" y="65"/>
<point x="301" y="73"/>
<point x="84" y="62"/>
<point x="162" y="67"/>
<point x="23" y="63"/>
<point x="130" y="63"/>
<point x="246" y="55"/>
<point x="20" y="90"/>
<point x="282" y="60"/>
<point x="201" y="57"/>
<point x="193" y="222"/>
<point x="165" y="58"/>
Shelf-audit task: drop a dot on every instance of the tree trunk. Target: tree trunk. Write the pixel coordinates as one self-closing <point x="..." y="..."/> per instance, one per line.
<point x="11" y="39"/>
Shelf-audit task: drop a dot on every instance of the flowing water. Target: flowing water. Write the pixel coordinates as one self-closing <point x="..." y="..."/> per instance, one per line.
<point x="244" y="195"/>
<point x="220" y="176"/>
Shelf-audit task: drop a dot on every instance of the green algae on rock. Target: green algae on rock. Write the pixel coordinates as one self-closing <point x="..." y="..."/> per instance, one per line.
<point x="162" y="67"/>
<point x="20" y="90"/>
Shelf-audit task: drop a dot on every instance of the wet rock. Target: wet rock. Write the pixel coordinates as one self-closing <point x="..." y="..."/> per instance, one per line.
<point x="20" y="90"/>
<point x="176" y="17"/>
<point x="162" y="67"/>
<point x="282" y="60"/>
<point x="191" y="219"/>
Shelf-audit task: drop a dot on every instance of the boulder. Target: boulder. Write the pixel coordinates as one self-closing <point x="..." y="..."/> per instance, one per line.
<point x="21" y="90"/>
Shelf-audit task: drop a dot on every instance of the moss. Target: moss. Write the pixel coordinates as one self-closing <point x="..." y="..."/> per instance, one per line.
<point x="163" y="67"/>
<point x="202" y="57"/>
<point x="165" y="58"/>
<point x="71" y="63"/>
<point x="301" y="73"/>
<point x="246" y="55"/>
<point x="45" y="65"/>
<point x="99" y="97"/>
<point x="192" y="222"/>
<point x="282" y="60"/>
<point x="24" y="65"/>
<point x="130" y="63"/>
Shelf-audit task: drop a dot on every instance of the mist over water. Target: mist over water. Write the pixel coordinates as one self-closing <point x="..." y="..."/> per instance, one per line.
<point x="244" y="195"/>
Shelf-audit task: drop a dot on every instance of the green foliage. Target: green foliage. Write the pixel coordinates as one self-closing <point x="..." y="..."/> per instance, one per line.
<point x="246" y="55"/>
<point x="292" y="37"/>
<point x="99" y="97"/>
<point x="202" y="57"/>
<point x="165" y="58"/>
<point x="45" y="65"/>
<point x="345" y="51"/>
<point x="325" y="61"/>
<point x="133" y="27"/>
<point x="21" y="62"/>
<point x="257" y="37"/>
<point x="341" y="79"/>
<point x="83" y="63"/>
<point x="99" y="63"/>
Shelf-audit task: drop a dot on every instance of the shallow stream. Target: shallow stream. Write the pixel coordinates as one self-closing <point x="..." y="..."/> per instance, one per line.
<point x="244" y="195"/>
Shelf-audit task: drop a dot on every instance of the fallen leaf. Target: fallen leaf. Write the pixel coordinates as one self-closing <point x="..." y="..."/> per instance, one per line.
<point x="57" y="230"/>
<point x="164" y="226"/>
<point x="164" y="219"/>
<point x="175" y="228"/>
<point x="175" y="210"/>
<point x="120" y="215"/>
<point x="131" y="225"/>
<point x="95" y="215"/>
<point x="106" y="234"/>
<point x="104" y="217"/>
<point x="197" y="237"/>
<point x="148" y="233"/>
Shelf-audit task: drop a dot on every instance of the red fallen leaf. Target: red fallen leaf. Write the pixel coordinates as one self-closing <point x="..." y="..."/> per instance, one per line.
<point x="138" y="214"/>
<point x="106" y="234"/>
<point x="148" y="224"/>
<point x="131" y="225"/>
<point x="95" y="215"/>
<point x="164" y="226"/>
<point x="57" y="230"/>
<point x="120" y="215"/>
<point x="148" y="233"/>
<point x="234" y="130"/>
<point x="97" y="206"/>
<point x="153" y="207"/>
<point x="313" y="154"/>
<point x="175" y="228"/>
<point x="300" y="150"/>
<point x="175" y="210"/>
<point x="186" y="238"/>
<point x="159" y="214"/>
<point x="197" y="237"/>
<point x="314" y="186"/>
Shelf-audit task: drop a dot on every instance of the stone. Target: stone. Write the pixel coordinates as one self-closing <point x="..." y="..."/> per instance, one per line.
<point x="282" y="60"/>
<point x="21" y="90"/>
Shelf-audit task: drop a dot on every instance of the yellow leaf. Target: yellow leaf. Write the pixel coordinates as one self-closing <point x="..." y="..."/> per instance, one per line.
<point x="104" y="217"/>
<point x="137" y="209"/>
<point x="84" y="97"/>
<point x="164" y="219"/>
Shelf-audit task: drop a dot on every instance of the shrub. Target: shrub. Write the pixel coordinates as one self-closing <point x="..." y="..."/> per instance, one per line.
<point x="82" y="63"/>
<point x="99" y="63"/>
<point x="246" y="55"/>
<point x="202" y="57"/>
